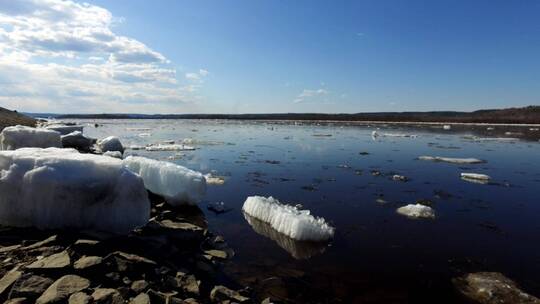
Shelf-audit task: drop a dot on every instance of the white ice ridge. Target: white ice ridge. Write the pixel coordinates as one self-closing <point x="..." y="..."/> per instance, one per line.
<point x="16" y="137"/>
<point x="417" y="211"/>
<point x="169" y="147"/>
<point x="60" y="188"/>
<point x="178" y="185"/>
<point x="297" y="224"/>
<point x="475" y="176"/>
<point x="111" y="143"/>
<point x="65" y="129"/>
<point x="452" y="160"/>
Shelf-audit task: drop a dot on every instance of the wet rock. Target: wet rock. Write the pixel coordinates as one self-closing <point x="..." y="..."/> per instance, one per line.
<point x="17" y="301"/>
<point x="220" y="254"/>
<point x="161" y="297"/>
<point x="10" y="248"/>
<point x="139" y="286"/>
<point x="32" y="286"/>
<point x="8" y="279"/>
<point x="87" y="262"/>
<point x="492" y="287"/>
<point x="63" y="288"/>
<point x="187" y="283"/>
<point x="107" y="296"/>
<point x="50" y="240"/>
<point x="221" y="293"/>
<point x="130" y="262"/>
<point x="142" y="298"/>
<point x="177" y="230"/>
<point x="55" y="261"/>
<point x="84" y="246"/>
<point x="80" y="298"/>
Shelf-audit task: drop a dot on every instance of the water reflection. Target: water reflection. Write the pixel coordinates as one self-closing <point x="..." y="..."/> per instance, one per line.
<point x="300" y="250"/>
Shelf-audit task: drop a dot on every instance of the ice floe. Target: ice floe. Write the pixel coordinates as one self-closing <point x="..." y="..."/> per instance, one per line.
<point x="300" y="250"/>
<point x="417" y="211"/>
<point x="376" y="134"/>
<point x="65" y="129"/>
<point x="165" y="147"/>
<point x="178" y="185"/>
<point x="62" y="188"/>
<point x="214" y="180"/>
<point x="115" y="154"/>
<point x="111" y="143"/>
<point x="289" y="220"/>
<point x="16" y="137"/>
<point x="452" y="160"/>
<point x="476" y="178"/>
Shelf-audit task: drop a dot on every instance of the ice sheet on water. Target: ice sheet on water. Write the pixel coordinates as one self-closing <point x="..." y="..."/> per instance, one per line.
<point x="376" y="134"/>
<point x="417" y="211"/>
<point x="452" y="160"/>
<point x="169" y="147"/>
<point x="478" y="176"/>
<point x="61" y="188"/>
<point x="289" y="220"/>
<point x="178" y="185"/>
<point x="16" y="137"/>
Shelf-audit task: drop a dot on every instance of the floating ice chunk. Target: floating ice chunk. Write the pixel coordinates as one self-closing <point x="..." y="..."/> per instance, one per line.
<point x="115" y="154"/>
<point x="160" y="147"/>
<point x="214" y="180"/>
<point x="78" y="141"/>
<point x="447" y="127"/>
<point x="534" y="129"/>
<point x="299" y="250"/>
<point x="65" y="129"/>
<point x="16" y="137"/>
<point x="400" y="178"/>
<point x="476" y="176"/>
<point x="376" y="134"/>
<point x="286" y="219"/>
<point x="111" y="143"/>
<point x="61" y="188"/>
<point x="178" y="185"/>
<point x="138" y="129"/>
<point x="136" y="147"/>
<point x="417" y="211"/>
<point x="494" y="138"/>
<point x="452" y="160"/>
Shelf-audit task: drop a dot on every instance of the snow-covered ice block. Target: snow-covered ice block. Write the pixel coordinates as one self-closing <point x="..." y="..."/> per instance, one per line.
<point x="65" y="129"/>
<point x="178" y="185"/>
<point x="16" y="137"/>
<point x="115" y="154"/>
<point x="62" y="188"/>
<point x="452" y="160"/>
<point x="417" y="211"/>
<point x="78" y="141"/>
<point x="111" y="143"/>
<point x="297" y="224"/>
<point x="169" y="147"/>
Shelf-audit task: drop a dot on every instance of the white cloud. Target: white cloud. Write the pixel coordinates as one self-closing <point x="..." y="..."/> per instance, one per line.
<point x="310" y="94"/>
<point x="64" y="56"/>
<point x="197" y="77"/>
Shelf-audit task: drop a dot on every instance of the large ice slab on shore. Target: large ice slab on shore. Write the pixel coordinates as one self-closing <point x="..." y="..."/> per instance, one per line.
<point x="111" y="143"/>
<point x="452" y="160"/>
<point x="16" y="137"/>
<point x="178" y="185"/>
<point x="78" y="141"/>
<point x="61" y="188"/>
<point x="65" y="129"/>
<point x="289" y="220"/>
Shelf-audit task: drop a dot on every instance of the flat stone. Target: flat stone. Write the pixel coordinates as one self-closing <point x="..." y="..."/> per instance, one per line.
<point x="107" y="296"/>
<point x="177" y="230"/>
<point x="187" y="283"/>
<point x="220" y="254"/>
<point x="8" y="279"/>
<point x="54" y="261"/>
<point x="17" y="301"/>
<point x="32" y="286"/>
<point x="87" y="262"/>
<point x="63" y="288"/>
<point x="43" y="243"/>
<point x="80" y="298"/>
<point x="142" y="298"/>
<point x="492" y="287"/>
<point x="10" y="248"/>
<point x="221" y="293"/>
<point x="127" y="261"/>
<point x="139" y="286"/>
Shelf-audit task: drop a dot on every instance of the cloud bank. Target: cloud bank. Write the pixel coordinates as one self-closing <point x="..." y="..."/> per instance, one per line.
<point x="63" y="56"/>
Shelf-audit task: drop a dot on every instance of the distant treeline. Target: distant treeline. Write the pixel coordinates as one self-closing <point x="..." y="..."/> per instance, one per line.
<point x="526" y="115"/>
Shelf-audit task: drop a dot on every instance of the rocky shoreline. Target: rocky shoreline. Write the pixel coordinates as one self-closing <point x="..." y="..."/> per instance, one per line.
<point x="173" y="259"/>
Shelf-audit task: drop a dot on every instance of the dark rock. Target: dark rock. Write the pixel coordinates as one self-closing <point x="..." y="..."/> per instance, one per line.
<point x="492" y="287"/>
<point x="31" y="286"/>
<point x="139" y="286"/>
<point x="50" y="240"/>
<point x="181" y="231"/>
<point x="107" y="296"/>
<point x="17" y="301"/>
<point x="87" y="262"/>
<point x="80" y="298"/>
<point x="220" y="254"/>
<point x="221" y="293"/>
<point x="142" y="298"/>
<point x="63" y="288"/>
<point x="186" y="283"/>
<point x="127" y="262"/>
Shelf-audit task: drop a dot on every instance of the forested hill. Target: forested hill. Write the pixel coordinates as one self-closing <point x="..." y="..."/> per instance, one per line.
<point x="10" y="118"/>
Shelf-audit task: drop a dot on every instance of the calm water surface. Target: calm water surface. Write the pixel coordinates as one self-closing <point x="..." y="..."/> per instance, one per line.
<point x="377" y="256"/>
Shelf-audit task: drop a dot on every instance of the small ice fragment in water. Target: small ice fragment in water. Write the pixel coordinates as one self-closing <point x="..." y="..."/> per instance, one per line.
<point x="417" y="211"/>
<point x="447" y="127"/>
<point x="475" y="176"/>
<point x="178" y="185"/>
<point x="376" y="134"/>
<point x="111" y="143"/>
<point x="400" y="178"/>
<point x="160" y="147"/>
<point x="214" y="180"/>
<point x="297" y="224"/>
<point x="16" y="137"/>
<point x="452" y="160"/>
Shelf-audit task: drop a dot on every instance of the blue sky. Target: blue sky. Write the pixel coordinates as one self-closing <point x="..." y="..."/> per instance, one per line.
<point x="270" y="56"/>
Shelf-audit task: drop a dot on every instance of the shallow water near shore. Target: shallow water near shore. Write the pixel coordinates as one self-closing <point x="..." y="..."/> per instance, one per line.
<point x="342" y="173"/>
